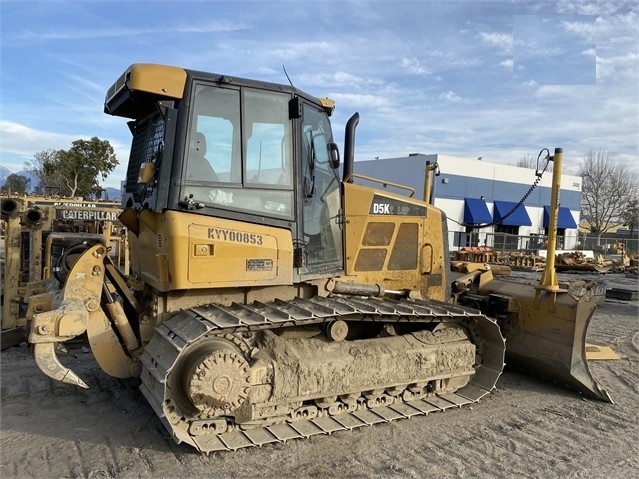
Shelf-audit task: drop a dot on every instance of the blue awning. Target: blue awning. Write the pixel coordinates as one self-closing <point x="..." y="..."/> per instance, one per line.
<point x="476" y="212"/>
<point x="518" y="218"/>
<point x="564" y="219"/>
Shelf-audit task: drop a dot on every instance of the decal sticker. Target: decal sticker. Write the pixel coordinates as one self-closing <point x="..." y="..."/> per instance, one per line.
<point x="86" y="215"/>
<point x="66" y="204"/>
<point x="259" y="265"/>
<point x="391" y="206"/>
<point x="235" y="236"/>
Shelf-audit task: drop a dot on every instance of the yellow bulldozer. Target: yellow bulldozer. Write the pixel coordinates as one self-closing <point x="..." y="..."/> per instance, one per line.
<point x="275" y="293"/>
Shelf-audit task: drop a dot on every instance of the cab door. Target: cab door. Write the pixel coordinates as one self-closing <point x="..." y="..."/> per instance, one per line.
<point x="321" y="232"/>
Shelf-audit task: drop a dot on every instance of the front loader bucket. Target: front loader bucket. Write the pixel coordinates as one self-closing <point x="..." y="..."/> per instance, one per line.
<point x="545" y="333"/>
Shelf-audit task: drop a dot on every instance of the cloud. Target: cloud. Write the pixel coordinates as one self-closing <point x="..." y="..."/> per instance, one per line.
<point x="436" y="77"/>
<point x="450" y="96"/>
<point x="413" y="66"/>
<point x="534" y="49"/>
<point x="95" y="33"/>
<point x="22" y="140"/>
<point x="360" y="99"/>
<point x="508" y="63"/>
<point x="585" y="30"/>
<point x="622" y="67"/>
<point x="297" y="50"/>
<point x="340" y="78"/>
<point x="591" y="7"/>
<point x="503" y="41"/>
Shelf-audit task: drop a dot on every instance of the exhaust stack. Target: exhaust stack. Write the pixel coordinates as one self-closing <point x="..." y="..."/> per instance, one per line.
<point x="349" y="147"/>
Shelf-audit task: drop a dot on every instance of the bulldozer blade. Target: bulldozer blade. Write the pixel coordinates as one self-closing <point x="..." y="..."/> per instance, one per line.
<point x="545" y="333"/>
<point x="50" y="365"/>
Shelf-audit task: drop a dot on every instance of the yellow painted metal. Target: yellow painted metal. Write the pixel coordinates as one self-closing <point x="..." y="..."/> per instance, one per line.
<point x="79" y="310"/>
<point x="376" y="238"/>
<point x="384" y="183"/>
<point x="183" y="251"/>
<point x="67" y="320"/>
<point x="468" y="266"/>
<point x="48" y="250"/>
<point x="11" y="214"/>
<point x="545" y="326"/>
<point x="428" y="180"/>
<point x="129" y="218"/>
<point x="162" y="80"/>
<point x="116" y="313"/>
<point x="328" y="104"/>
<point x="107" y="350"/>
<point x="548" y="279"/>
<point x="50" y="365"/>
<point x="69" y="316"/>
<point x="81" y="295"/>
<point x="41" y="220"/>
<point x="596" y="351"/>
<point x="545" y="333"/>
<point x="32" y="218"/>
<point x="147" y="172"/>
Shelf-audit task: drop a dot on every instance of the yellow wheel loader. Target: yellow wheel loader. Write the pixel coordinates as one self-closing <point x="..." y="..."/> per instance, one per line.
<point x="271" y="297"/>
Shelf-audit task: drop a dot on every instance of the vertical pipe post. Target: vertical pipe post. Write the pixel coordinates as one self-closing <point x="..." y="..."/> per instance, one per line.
<point x="548" y="280"/>
<point x="428" y="181"/>
<point x="11" y="213"/>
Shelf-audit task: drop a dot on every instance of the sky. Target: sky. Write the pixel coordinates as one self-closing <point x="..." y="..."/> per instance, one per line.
<point x="498" y="79"/>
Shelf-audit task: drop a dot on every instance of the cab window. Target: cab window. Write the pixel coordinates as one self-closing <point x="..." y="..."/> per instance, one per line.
<point x="240" y="151"/>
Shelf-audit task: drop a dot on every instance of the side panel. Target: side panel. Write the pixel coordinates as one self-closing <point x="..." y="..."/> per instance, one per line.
<point x="395" y="241"/>
<point x="178" y="250"/>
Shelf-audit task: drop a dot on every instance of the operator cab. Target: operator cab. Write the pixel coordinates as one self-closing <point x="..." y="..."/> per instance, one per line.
<point x="236" y="149"/>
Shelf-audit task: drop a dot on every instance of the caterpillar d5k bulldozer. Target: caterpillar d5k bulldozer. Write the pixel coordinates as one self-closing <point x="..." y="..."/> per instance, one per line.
<point x="272" y="298"/>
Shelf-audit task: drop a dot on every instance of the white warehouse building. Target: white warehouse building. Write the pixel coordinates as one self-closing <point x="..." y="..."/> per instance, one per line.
<point x="482" y="200"/>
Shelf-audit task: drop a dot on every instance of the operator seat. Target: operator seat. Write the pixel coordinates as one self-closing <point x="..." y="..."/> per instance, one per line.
<point x="198" y="167"/>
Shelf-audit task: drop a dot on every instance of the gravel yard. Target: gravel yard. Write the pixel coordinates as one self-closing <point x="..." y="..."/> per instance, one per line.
<point x="526" y="428"/>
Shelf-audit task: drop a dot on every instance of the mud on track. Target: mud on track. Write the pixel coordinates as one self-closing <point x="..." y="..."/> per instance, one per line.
<point x="526" y="428"/>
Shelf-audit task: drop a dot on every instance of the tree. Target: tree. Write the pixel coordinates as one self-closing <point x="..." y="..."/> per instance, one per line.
<point x="84" y="162"/>
<point x="77" y="170"/>
<point x="607" y="190"/>
<point x="630" y="214"/>
<point x="533" y="163"/>
<point x="45" y="168"/>
<point x="16" y="184"/>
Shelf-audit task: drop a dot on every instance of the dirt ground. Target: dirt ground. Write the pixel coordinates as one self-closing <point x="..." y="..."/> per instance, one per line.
<point x="526" y="428"/>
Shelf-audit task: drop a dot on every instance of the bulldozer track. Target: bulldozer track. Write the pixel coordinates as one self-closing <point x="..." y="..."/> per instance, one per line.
<point x="174" y="335"/>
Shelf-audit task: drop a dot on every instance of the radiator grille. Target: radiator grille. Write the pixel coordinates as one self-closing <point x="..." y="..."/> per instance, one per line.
<point x="404" y="254"/>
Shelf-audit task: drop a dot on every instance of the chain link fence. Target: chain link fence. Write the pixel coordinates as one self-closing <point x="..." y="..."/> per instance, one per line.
<point x="508" y="243"/>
